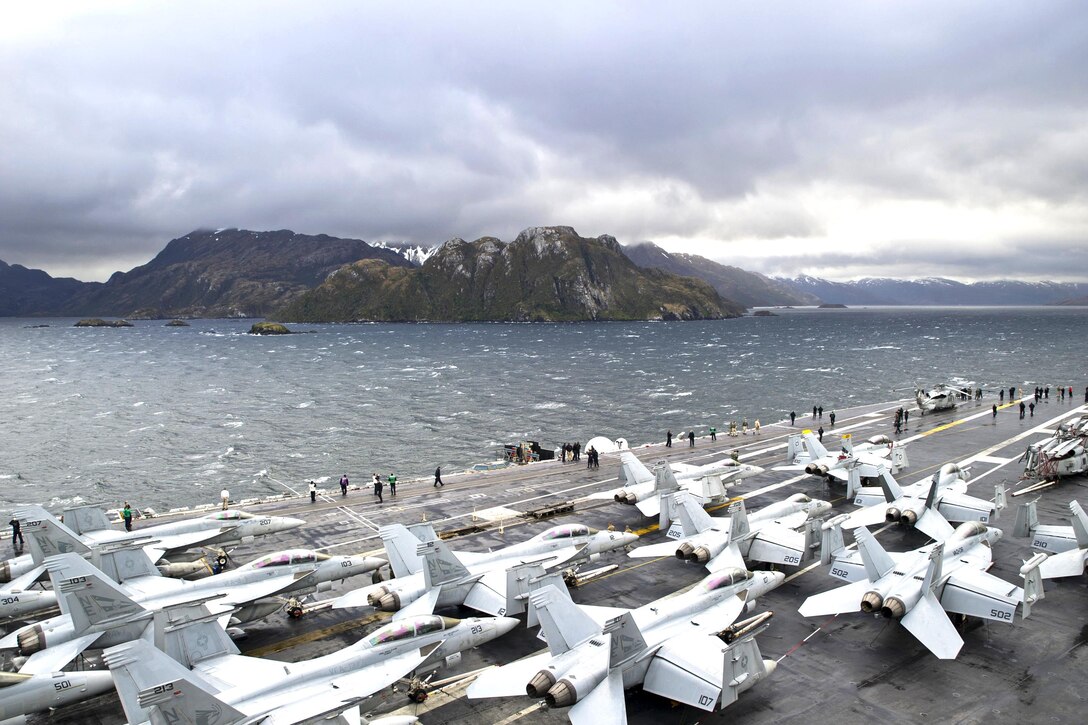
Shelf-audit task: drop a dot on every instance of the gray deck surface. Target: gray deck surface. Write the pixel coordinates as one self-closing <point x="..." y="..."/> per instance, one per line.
<point x="846" y="669"/>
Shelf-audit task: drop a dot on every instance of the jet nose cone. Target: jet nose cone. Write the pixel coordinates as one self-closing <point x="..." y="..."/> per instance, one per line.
<point x="777" y="577"/>
<point x="504" y="625"/>
<point x="822" y="507"/>
<point x="627" y="538"/>
<point x="286" y="523"/>
<point x="754" y="470"/>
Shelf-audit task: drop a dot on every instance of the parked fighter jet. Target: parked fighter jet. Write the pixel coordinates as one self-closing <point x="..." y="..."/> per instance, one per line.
<point x="769" y="534"/>
<point x="806" y="452"/>
<point x="1063" y="454"/>
<point x="1067" y="545"/>
<point x="160" y="688"/>
<point x="429" y="575"/>
<point x="670" y="647"/>
<point x="221" y="528"/>
<point x="918" y="504"/>
<point x="248" y="593"/>
<point x="708" y="483"/>
<point x="920" y="587"/>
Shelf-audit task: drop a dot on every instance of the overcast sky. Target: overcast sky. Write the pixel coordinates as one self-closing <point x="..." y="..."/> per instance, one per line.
<point x="829" y="138"/>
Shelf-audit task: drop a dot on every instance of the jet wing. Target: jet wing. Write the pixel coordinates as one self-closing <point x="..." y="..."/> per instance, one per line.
<point x="187" y="540"/>
<point x="778" y="545"/>
<point x="253" y="591"/>
<point x="792" y="521"/>
<point x="933" y="525"/>
<point x="836" y="601"/>
<point x="489" y="594"/>
<point x="424" y="605"/>
<point x="978" y="594"/>
<point x="652" y="551"/>
<point x="55" y="657"/>
<point x="928" y="622"/>
<point x="869" y="516"/>
<point x="650" y="506"/>
<point x="1067" y="563"/>
<point x="335" y="696"/>
<point x="604" y="705"/>
<point x="688" y="669"/>
<point x="729" y="556"/>
<point x="962" y="507"/>
<point x="720" y="616"/>
<point x="24" y="581"/>
<point x="509" y="680"/>
<point x="230" y="671"/>
<point x="870" y="496"/>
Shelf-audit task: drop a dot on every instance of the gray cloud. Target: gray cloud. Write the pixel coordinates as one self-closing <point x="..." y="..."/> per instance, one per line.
<point x="796" y="137"/>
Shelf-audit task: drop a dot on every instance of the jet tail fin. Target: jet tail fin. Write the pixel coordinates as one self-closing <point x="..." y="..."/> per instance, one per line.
<point x="933" y="570"/>
<point x="892" y="489"/>
<point x="1033" y="583"/>
<point x="795" y="445"/>
<point x="137" y="666"/>
<point x="190" y="633"/>
<point x="744" y="667"/>
<point x="693" y="517"/>
<point x="665" y="485"/>
<point x="632" y="470"/>
<point x="183" y="702"/>
<point x="440" y="565"/>
<point x="853" y="481"/>
<point x="1027" y="520"/>
<point x="876" y="559"/>
<point x="738" y="527"/>
<point x="1080" y="524"/>
<point x="815" y="447"/>
<point x="626" y="641"/>
<point x="48" y="535"/>
<point x="831" y="541"/>
<point x="123" y="563"/>
<point x="400" y="548"/>
<point x="91" y="598"/>
<point x="848" y="444"/>
<point x="563" y="623"/>
<point x="84" y="519"/>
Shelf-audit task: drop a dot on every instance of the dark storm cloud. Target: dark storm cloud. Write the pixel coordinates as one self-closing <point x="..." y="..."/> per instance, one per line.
<point x="709" y="127"/>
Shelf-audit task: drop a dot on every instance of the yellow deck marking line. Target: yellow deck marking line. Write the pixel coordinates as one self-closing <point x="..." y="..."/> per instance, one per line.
<point x="317" y="634"/>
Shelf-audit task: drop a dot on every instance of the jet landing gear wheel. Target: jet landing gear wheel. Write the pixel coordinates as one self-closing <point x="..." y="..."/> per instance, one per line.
<point x="417" y="695"/>
<point x="294" y="609"/>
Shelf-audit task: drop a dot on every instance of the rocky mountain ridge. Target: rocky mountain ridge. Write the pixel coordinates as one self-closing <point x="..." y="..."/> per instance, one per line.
<point x="937" y="291"/>
<point x="545" y="274"/>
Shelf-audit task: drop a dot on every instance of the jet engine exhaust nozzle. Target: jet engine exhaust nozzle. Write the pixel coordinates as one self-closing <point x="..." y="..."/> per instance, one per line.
<point x="909" y="518"/>
<point x="701" y="554"/>
<point x="871" y="602"/>
<point x="31" y="641"/>
<point x="684" y="551"/>
<point x="893" y="608"/>
<point x="562" y="694"/>
<point x="389" y="602"/>
<point x="540" y="684"/>
<point x="892" y="515"/>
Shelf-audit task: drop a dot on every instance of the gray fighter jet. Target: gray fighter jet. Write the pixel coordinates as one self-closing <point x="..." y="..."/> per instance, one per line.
<point x="919" y="588"/>
<point x="670" y="647"/>
<point x="221" y="528"/>
<point x="927" y="505"/>
<point x="248" y="593"/>
<point x="1066" y="545"/>
<point x="157" y="688"/>
<point x="780" y="533"/>
<point x="806" y="452"/>
<point x="429" y="575"/>
<point x="708" y="483"/>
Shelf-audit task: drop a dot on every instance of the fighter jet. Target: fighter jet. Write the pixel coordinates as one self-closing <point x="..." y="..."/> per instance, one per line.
<point x="670" y="647"/>
<point x="430" y="576"/>
<point x="770" y="534"/>
<point x="806" y="452"/>
<point x="157" y="688"/>
<point x="1067" y="545"/>
<point x="247" y="593"/>
<point x="919" y="588"/>
<point x="221" y="528"/>
<point x="708" y="483"/>
<point x="918" y="504"/>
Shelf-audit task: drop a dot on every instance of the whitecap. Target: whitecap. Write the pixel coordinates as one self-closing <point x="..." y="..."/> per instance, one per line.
<point x="307" y="404"/>
<point x="549" y="406"/>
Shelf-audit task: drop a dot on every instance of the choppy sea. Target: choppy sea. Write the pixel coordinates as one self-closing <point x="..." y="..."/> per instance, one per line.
<point x="168" y="416"/>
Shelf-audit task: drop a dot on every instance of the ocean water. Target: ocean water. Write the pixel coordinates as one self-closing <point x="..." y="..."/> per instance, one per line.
<point x="165" y="416"/>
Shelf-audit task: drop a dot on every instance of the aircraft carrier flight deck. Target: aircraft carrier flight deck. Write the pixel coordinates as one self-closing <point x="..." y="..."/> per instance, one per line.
<point x="849" y="668"/>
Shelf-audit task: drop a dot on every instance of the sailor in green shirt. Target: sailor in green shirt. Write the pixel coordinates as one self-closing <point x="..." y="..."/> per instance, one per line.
<point x="392" y="484"/>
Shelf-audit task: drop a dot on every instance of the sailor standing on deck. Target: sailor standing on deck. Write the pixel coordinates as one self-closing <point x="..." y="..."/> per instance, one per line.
<point x="126" y="514"/>
<point x="344" y="485"/>
<point x="438" y="477"/>
<point x="392" y="484"/>
<point x="16" y="533"/>
<point x="224" y="496"/>
<point x="313" y="492"/>
<point x="378" y="487"/>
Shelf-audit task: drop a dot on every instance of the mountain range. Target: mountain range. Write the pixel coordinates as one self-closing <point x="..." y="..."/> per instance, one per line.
<point x="545" y="273"/>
